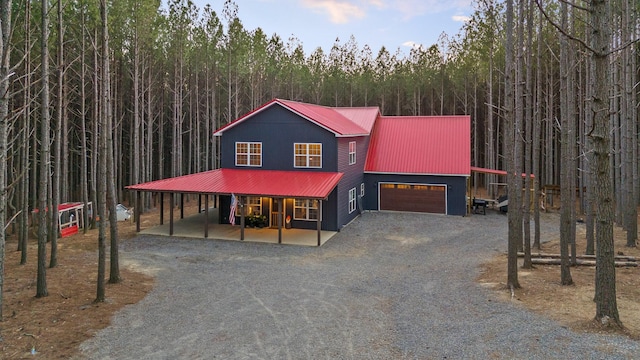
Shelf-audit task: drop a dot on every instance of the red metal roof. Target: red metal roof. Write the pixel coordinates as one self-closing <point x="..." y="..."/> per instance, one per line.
<point x="434" y="145"/>
<point x="340" y="121"/>
<point x="275" y="183"/>
<point x="363" y="116"/>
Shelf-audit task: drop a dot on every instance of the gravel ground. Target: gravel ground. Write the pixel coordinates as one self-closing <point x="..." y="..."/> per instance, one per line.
<point x="388" y="286"/>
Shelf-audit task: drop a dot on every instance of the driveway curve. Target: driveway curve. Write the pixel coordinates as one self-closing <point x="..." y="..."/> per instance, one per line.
<point x="388" y="286"/>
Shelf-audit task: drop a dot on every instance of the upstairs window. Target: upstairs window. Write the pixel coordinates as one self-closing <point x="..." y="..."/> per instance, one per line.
<point x="352" y="152"/>
<point x="307" y="155"/>
<point x="248" y="154"/>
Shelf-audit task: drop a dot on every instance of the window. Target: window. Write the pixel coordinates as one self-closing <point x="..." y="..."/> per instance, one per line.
<point x="248" y="154"/>
<point x="307" y="155"/>
<point x="362" y="190"/>
<point x="305" y="209"/>
<point x="352" y="200"/>
<point x="352" y="152"/>
<point x="255" y="205"/>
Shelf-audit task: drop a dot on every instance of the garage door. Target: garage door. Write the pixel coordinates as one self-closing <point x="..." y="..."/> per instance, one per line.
<point x="413" y="197"/>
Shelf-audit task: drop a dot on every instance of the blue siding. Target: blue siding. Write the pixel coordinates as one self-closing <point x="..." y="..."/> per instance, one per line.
<point x="456" y="189"/>
<point x="329" y="219"/>
<point x="353" y="175"/>
<point x="278" y="129"/>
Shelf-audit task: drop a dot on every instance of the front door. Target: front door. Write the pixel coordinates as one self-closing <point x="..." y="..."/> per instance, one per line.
<point x="274" y="212"/>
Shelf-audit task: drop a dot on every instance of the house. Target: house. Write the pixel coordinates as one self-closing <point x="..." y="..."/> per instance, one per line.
<point x="309" y="166"/>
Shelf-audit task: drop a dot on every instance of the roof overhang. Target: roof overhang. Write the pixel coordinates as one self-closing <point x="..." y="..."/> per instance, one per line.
<point x="420" y="174"/>
<point x="250" y="182"/>
<point x="494" y="171"/>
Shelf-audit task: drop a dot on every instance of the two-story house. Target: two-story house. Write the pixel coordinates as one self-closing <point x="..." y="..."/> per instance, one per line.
<point x="309" y="166"/>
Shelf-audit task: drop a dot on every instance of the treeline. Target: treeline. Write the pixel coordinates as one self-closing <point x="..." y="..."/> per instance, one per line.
<point x="176" y="73"/>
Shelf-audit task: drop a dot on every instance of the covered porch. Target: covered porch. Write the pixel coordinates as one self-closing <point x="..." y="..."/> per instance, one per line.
<point x="192" y="227"/>
<point x="240" y="184"/>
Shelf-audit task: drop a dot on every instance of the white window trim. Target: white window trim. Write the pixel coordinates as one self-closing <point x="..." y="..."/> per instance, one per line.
<point x="352" y="200"/>
<point x="307" y="206"/>
<point x="352" y="160"/>
<point x="307" y="156"/>
<point x="249" y="204"/>
<point x="362" y="190"/>
<point x="249" y="143"/>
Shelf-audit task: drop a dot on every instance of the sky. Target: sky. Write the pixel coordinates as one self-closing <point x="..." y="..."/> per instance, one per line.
<point x="317" y="23"/>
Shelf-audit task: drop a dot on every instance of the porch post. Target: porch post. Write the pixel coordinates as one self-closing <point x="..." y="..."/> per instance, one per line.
<point x="280" y="201"/>
<point x="181" y="206"/>
<point x="241" y="202"/>
<point x="171" y="215"/>
<point x="206" y="214"/>
<point x="319" y="222"/>
<point x="136" y="211"/>
<point x="161" y="208"/>
<point x="199" y="203"/>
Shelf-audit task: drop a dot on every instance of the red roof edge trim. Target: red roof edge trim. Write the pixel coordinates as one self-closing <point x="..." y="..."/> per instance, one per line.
<point x="495" y="172"/>
<point x="244" y="117"/>
<point x="410" y="173"/>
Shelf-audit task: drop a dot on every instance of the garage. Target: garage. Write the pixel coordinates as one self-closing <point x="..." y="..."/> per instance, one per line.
<point x="413" y="197"/>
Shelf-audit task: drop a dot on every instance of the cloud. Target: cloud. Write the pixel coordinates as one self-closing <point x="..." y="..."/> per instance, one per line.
<point x="412" y="44"/>
<point x="340" y="11"/>
<point x="413" y="8"/>
<point x="460" y="18"/>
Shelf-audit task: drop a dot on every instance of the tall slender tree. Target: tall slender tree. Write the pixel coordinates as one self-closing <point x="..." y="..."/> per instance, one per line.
<point x="605" y="283"/>
<point x="45" y="170"/>
<point x="5" y="56"/>
<point x="513" y="173"/>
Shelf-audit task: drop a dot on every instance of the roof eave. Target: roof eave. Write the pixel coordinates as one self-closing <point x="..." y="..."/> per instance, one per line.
<point x="412" y="173"/>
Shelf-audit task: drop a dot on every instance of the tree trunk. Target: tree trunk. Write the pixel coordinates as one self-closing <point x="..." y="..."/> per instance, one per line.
<point x="57" y="142"/>
<point x="102" y="136"/>
<point x="566" y="186"/>
<point x="26" y="133"/>
<point x="515" y="227"/>
<point x="605" y="282"/>
<point x="45" y="171"/>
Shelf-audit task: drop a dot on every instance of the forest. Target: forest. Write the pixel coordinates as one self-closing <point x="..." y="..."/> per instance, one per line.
<point x="98" y="95"/>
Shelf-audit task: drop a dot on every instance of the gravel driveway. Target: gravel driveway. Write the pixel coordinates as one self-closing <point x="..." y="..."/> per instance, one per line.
<point x="388" y="286"/>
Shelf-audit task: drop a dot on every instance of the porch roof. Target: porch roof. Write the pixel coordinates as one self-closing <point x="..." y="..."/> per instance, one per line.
<point x="251" y="182"/>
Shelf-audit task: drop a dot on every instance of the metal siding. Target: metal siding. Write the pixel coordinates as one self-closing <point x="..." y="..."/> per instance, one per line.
<point x="456" y="189"/>
<point x="278" y="129"/>
<point x="353" y="175"/>
<point x="439" y="145"/>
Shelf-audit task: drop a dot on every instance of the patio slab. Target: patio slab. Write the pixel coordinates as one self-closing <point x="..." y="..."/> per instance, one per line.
<point x="193" y="227"/>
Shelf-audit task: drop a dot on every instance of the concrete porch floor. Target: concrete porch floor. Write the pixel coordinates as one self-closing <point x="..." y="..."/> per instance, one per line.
<point x="193" y="227"/>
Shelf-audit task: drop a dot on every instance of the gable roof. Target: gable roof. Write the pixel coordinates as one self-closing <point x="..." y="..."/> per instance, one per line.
<point x="252" y="182"/>
<point x="343" y="122"/>
<point x="425" y="145"/>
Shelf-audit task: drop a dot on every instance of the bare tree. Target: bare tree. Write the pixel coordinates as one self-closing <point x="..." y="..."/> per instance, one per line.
<point x="605" y="297"/>
<point x="102" y="138"/>
<point x="5" y="48"/>
<point x="566" y="181"/>
<point x="513" y="173"/>
<point x="45" y="171"/>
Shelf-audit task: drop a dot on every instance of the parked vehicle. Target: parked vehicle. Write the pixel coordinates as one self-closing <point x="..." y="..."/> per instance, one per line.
<point x="123" y="214"/>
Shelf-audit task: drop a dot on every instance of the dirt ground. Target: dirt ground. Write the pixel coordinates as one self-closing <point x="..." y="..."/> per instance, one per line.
<point x="55" y="326"/>
<point x="573" y="306"/>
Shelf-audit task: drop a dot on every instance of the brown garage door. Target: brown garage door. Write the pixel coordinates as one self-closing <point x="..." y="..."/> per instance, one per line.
<point x="413" y="197"/>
